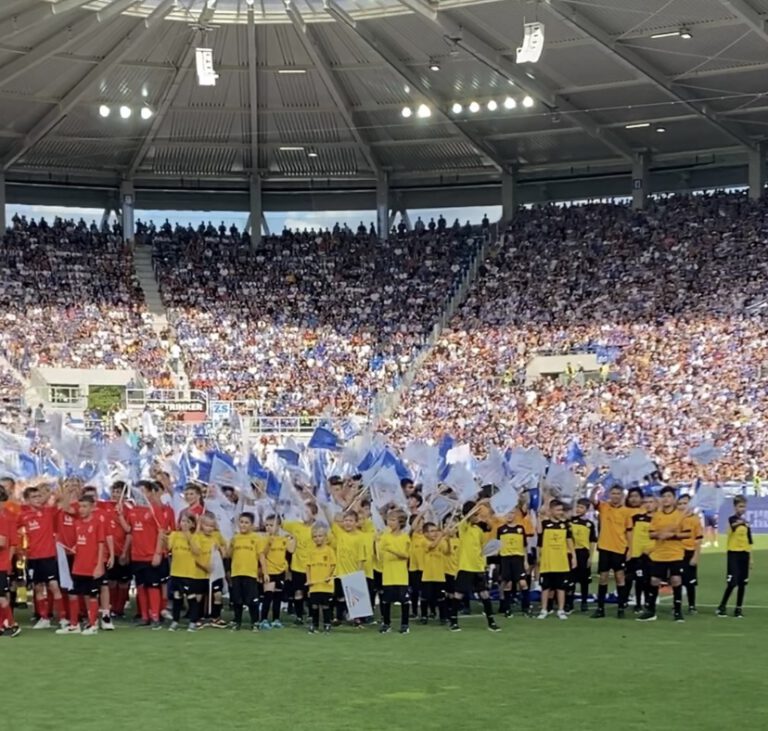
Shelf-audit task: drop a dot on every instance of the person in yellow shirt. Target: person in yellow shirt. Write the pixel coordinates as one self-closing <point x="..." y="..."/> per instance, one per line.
<point x="245" y="548"/>
<point x="436" y="550"/>
<point x="349" y="544"/>
<point x="472" y="575"/>
<point x="301" y="531"/>
<point x="666" y="554"/>
<point x="739" y="558"/>
<point x="694" y="534"/>
<point x="612" y="548"/>
<point x="184" y="551"/>
<point x="416" y="558"/>
<point x="584" y="541"/>
<point x="321" y="567"/>
<point x="514" y="563"/>
<point x="274" y="565"/>
<point x="556" y="560"/>
<point x="209" y="540"/>
<point x="394" y="546"/>
<point x="640" y="544"/>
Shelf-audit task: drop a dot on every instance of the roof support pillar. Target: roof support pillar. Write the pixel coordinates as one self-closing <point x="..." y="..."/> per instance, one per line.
<point x="128" y="210"/>
<point x="508" y="195"/>
<point x="382" y="206"/>
<point x="640" y="178"/>
<point x="256" y="209"/>
<point x="757" y="171"/>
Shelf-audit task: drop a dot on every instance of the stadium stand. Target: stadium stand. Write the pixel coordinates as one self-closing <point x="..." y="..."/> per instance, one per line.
<point x="663" y="296"/>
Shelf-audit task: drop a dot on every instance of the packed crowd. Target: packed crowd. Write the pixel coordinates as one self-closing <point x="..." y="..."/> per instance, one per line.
<point x="670" y="296"/>
<point x="69" y="298"/>
<point x="307" y="321"/>
<point x="189" y="553"/>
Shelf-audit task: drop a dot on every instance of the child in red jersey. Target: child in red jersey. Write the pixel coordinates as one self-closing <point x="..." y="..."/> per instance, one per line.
<point x="38" y="522"/>
<point x="87" y="568"/>
<point x="102" y="511"/>
<point x="147" y="539"/>
<point x="119" y="574"/>
<point x="8" y="627"/>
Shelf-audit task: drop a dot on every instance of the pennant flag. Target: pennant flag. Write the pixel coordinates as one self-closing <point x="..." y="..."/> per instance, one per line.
<point x="28" y="466"/>
<point x="491" y="471"/>
<point x="289" y="456"/>
<point x="273" y="486"/>
<point x="65" y="578"/>
<point x="460" y="454"/>
<point x="504" y="501"/>
<point x="222" y="473"/>
<point x="463" y="483"/>
<point x="708" y="498"/>
<point x="706" y="453"/>
<point x="356" y="595"/>
<point x="349" y="428"/>
<point x="562" y="481"/>
<point x="323" y="438"/>
<point x="255" y="469"/>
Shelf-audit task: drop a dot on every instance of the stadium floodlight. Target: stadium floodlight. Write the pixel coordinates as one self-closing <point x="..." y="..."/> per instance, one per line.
<point x="125" y="112"/>
<point x="492" y="105"/>
<point x="474" y="107"/>
<point x="661" y="129"/>
<point x="291" y="71"/>
<point x="206" y="75"/>
<point x="434" y="64"/>
<point x="527" y="102"/>
<point x="146" y="113"/>
<point x="685" y="34"/>
<point x="510" y="103"/>
<point x="457" y="108"/>
<point x="637" y="125"/>
<point x="666" y="34"/>
<point x="104" y="111"/>
<point x="407" y="112"/>
<point x="533" y="43"/>
<point x="312" y="153"/>
<point x="291" y="148"/>
<point x="423" y="111"/>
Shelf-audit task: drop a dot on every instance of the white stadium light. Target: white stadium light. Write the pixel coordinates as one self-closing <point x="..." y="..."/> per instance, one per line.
<point x="527" y="102"/>
<point x="407" y="112"/>
<point x="146" y="113"/>
<point x="474" y="107"/>
<point x="104" y="111"/>
<point x="125" y="112"/>
<point x="423" y="111"/>
<point x="510" y="103"/>
<point x="533" y="43"/>
<point x="457" y="108"/>
<point x="666" y="34"/>
<point x="206" y="75"/>
<point x="492" y="105"/>
<point x="637" y="125"/>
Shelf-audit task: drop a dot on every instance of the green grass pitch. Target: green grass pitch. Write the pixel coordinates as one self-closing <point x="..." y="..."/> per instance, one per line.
<point x="708" y="673"/>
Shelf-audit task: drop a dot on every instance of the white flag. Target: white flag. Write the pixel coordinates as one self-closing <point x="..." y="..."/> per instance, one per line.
<point x="65" y="580"/>
<point x="356" y="595"/>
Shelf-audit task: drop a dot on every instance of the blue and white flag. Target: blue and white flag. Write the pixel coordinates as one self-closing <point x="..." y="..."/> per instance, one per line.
<point x="323" y="438"/>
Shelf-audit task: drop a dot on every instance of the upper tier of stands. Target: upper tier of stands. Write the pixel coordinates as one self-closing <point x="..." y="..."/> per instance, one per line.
<point x="663" y="293"/>
<point x="308" y="321"/>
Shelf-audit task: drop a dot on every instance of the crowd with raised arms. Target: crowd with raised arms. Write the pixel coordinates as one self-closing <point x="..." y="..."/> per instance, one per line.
<point x="669" y="297"/>
<point x="69" y="298"/>
<point x="307" y="321"/>
<point x="190" y="557"/>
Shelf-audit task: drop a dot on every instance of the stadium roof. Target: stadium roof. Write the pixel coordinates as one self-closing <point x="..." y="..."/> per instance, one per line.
<point x="315" y="88"/>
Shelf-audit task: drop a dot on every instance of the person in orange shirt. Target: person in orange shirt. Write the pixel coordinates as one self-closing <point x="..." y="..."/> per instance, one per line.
<point x="615" y="521"/>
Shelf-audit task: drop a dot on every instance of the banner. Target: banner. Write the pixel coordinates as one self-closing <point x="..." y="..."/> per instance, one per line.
<point x="356" y="595"/>
<point x="757" y="514"/>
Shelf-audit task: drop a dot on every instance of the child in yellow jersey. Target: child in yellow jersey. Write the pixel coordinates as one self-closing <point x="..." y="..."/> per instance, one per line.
<point x="584" y="541"/>
<point x="274" y="564"/>
<point x="739" y="557"/>
<point x="666" y="554"/>
<point x="556" y="559"/>
<point x="514" y="563"/>
<point x="213" y="601"/>
<point x="321" y="567"/>
<point x="693" y="534"/>
<point x="472" y="575"/>
<point x="416" y="560"/>
<point x="184" y="550"/>
<point x="436" y="550"/>
<point x="245" y="548"/>
<point x="301" y="531"/>
<point x="349" y="544"/>
<point x="640" y="544"/>
<point x="394" y="546"/>
<point x="207" y="540"/>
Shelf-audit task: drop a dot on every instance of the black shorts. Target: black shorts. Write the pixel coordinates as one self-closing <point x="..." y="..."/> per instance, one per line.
<point x="392" y="594"/>
<point x="513" y="568"/>
<point x="320" y="599"/>
<point x="690" y="573"/>
<point x="5" y="582"/>
<point x="555" y="580"/>
<point x="119" y="574"/>
<point x="450" y="583"/>
<point x="414" y="580"/>
<point x="43" y="570"/>
<point x="278" y="580"/>
<point x="377" y="579"/>
<point x="665" y="570"/>
<point x="738" y="567"/>
<point x="243" y="590"/>
<point x="299" y="580"/>
<point x="432" y="591"/>
<point x="639" y="567"/>
<point x="147" y="575"/>
<point x="710" y="519"/>
<point x="217" y="586"/>
<point x="85" y="586"/>
<point x="164" y="570"/>
<point x="468" y="582"/>
<point x="610" y="561"/>
<point x="583" y="571"/>
<point x="189" y="587"/>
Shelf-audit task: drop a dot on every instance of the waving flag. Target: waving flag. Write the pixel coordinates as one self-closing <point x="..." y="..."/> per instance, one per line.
<point x="323" y="438"/>
<point x="575" y="455"/>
